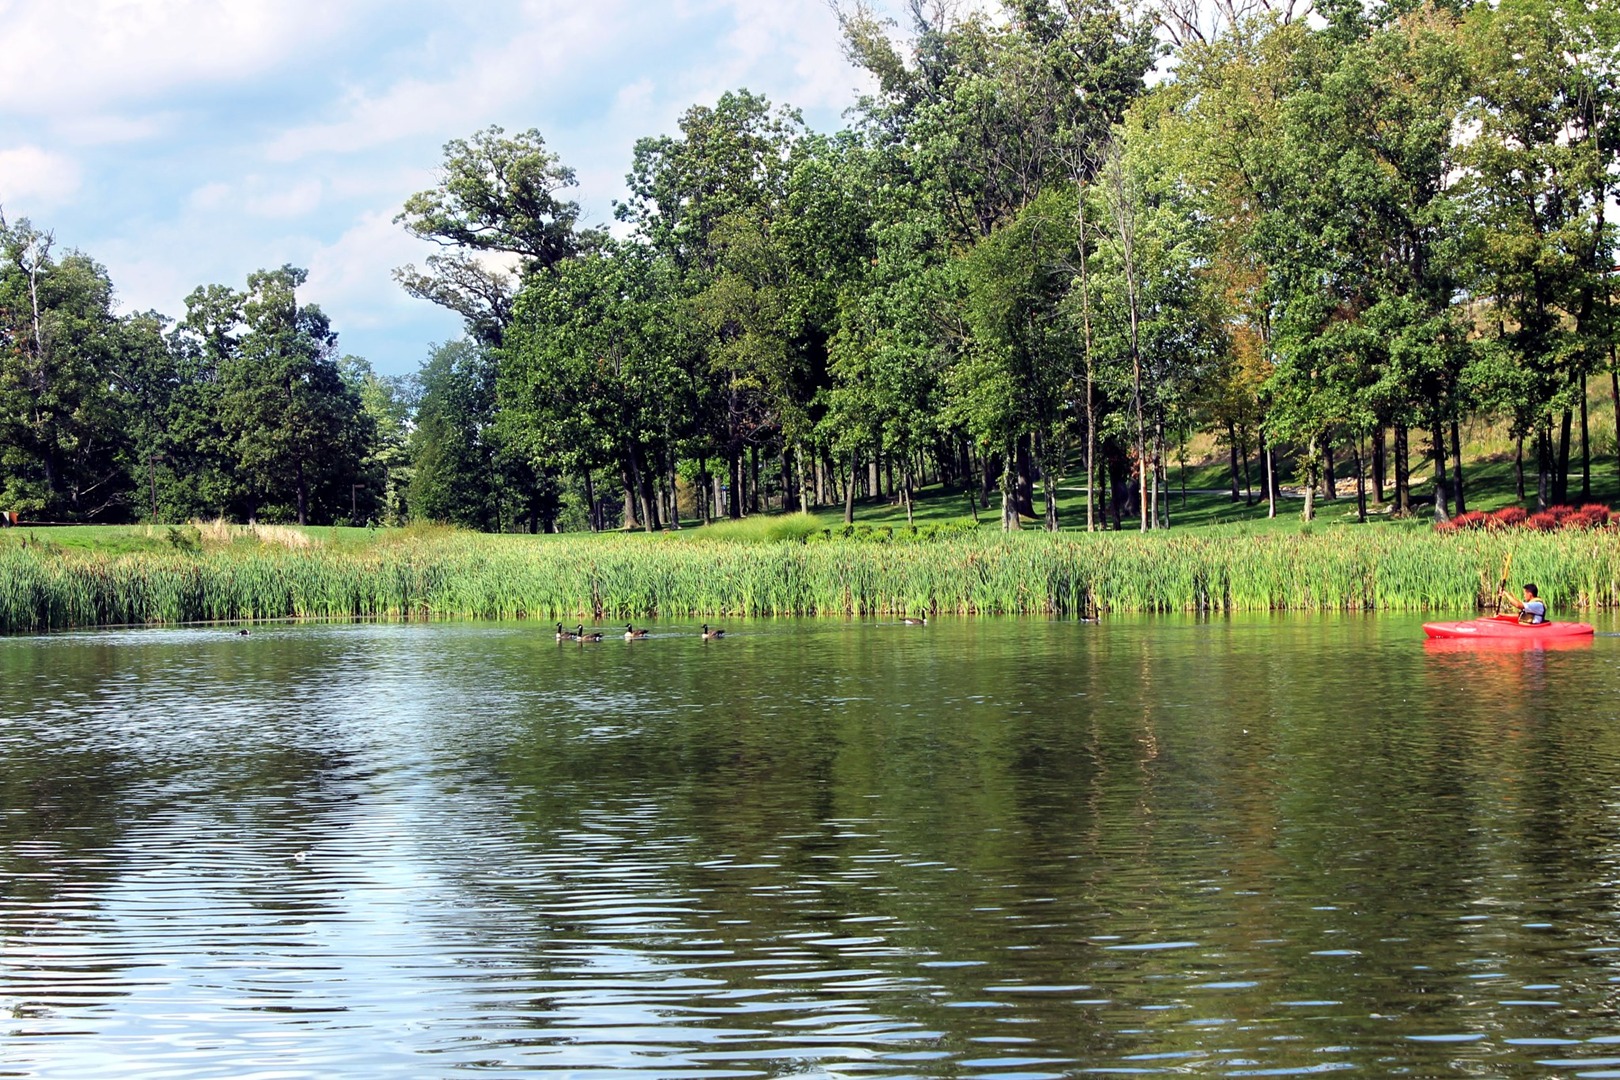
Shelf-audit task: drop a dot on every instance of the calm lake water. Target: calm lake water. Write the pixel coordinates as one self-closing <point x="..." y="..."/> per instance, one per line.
<point x="984" y="848"/>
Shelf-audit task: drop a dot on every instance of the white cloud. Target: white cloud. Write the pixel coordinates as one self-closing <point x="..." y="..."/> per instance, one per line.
<point x="292" y="201"/>
<point x="104" y="129"/>
<point x="352" y="275"/>
<point x="532" y="59"/>
<point x="33" y="177"/>
<point x="803" y="34"/>
<point x="73" y="55"/>
<point x="209" y="197"/>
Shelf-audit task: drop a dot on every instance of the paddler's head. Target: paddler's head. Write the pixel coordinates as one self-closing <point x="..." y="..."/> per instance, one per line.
<point x="1530" y="592"/>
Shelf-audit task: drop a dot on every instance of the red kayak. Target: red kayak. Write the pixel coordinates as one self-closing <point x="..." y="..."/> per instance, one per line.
<point x="1507" y="628"/>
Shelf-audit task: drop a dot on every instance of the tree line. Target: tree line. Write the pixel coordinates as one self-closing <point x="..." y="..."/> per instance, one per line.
<point x="1327" y="237"/>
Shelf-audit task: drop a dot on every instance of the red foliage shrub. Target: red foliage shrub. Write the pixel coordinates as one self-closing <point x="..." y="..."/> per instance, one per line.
<point x="1597" y="512"/>
<point x="1560" y="512"/>
<point x="1473" y="519"/>
<point x="1578" y="521"/>
<point x="1509" y="517"/>
<point x="1545" y="521"/>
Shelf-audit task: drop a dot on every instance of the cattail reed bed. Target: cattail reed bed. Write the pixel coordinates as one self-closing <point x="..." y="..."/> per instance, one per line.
<point x="634" y="577"/>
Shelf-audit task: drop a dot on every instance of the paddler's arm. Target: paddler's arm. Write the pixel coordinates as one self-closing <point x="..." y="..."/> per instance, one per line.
<point x="1514" y="600"/>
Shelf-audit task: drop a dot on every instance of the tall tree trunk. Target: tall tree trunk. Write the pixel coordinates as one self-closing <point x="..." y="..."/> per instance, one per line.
<point x="798" y="469"/>
<point x="1330" y="482"/>
<point x="1361" y="482"/>
<point x="1561" y="480"/>
<point x="734" y="497"/>
<point x="905" y="491"/>
<point x="1271" y="474"/>
<point x="1048" y="484"/>
<point x="1403" y="471"/>
<point x="1103" y="499"/>
<point x="591" y="520"/>
<point x="1091" y="400"/>
<point x="646" y="488"/>
<point x="1544" y="463"/>
<point x="849" y="492"/>
<point x="1009" y="493"/>
<point x="631" y="519"/>
<point x="1124" y="210"/>
<point x="1456" y="461"/>
<point x="1232" y="446"/>
<point x="1152" y="493"/>
<point x="1442" y="483"/>
<point x="753" y="478"/>
<point x="1161" y="476"/>
<point x="303" y="494"/>
<point x="1586" y="450"/>
<point x="674" y="494"/>
<point x="1310" y="480"/>
<point x="1380" y="469"/>
<point x="970" y="483"/>
<point x="1024" y="480"/>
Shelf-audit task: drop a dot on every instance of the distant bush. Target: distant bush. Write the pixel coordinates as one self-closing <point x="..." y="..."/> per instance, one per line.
<point x="1591" y="516"/>
<point x="1473" y="519"/>
<point x="896" y="534"/>
<point x="760" y="529"/>
<point x="1509" y="517"/>
<point x="185" y="538"/>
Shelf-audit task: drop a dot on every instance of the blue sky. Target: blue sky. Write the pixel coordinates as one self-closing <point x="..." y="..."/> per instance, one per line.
<point x="183" y="142"/>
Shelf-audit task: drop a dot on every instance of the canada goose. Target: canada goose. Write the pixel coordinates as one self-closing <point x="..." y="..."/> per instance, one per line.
<point x="241" y="633"/>
<point x="564" y="635"/>
<point x="581" y="636"/>
<point x="908" y="621"/>
<point x="632" y="634"/>
<point x="710" y="635"/>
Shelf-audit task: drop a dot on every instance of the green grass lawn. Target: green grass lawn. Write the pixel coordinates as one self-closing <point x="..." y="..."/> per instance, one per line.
<point x="1488" y="485"/>
<point x="1206" y="506"/>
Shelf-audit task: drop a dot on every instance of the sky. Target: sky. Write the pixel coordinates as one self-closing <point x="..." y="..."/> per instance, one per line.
<point x="184" y="142"/>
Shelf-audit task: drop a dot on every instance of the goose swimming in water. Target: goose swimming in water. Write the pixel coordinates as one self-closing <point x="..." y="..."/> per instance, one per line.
<point x="632" y="634"/>
<point x="711" y="635"/>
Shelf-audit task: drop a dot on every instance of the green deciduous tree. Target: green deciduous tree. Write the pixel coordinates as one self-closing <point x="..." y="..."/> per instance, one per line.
<point x="64" y="405"/>
<point x="294" y="426"/>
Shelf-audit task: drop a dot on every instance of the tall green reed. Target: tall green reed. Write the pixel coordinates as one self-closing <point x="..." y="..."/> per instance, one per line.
<point x="630" y="577"/>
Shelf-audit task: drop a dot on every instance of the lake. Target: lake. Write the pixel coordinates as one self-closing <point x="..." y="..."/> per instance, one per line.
<point x="982" y="848"/>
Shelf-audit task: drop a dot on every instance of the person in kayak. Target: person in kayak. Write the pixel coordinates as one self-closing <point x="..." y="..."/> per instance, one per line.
<point x="1532" y="609"/>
